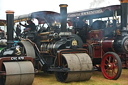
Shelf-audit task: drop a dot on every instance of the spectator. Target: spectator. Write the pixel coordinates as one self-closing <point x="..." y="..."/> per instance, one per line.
<point x="18" y="30"/>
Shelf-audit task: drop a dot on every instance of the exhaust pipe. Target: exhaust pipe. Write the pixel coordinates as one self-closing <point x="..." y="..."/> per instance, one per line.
<point x="63" y="13"/>
<point x="10" y="26"/>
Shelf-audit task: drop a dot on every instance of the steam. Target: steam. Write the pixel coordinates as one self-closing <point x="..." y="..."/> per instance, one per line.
<point x="103" y="3"/>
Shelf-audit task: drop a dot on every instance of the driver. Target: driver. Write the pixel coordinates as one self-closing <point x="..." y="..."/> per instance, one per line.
<point x="30" y="27"/>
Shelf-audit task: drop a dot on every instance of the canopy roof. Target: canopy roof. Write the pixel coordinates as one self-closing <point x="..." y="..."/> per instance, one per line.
<point x="2" y="22"/>
<point x="97" y="12"/>
<point x="40" y="16"/>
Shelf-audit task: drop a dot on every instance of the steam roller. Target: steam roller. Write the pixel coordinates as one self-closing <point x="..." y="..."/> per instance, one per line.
<point x="15" y="69"/>
<point x="58" y="52"/>
<point x="73" y="66"/>
<point x="61" y="53"/>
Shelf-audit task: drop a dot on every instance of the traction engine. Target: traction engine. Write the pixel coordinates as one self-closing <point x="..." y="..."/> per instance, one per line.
<point x="108" y="47"/>
<point x="58" y="52"/>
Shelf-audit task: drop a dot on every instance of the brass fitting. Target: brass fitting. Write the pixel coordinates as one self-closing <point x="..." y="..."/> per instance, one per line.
<point x="10" y="12"/>
<point x="123" y="1"/>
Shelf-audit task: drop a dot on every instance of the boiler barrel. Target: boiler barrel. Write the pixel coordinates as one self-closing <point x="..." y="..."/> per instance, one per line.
<point x="107" y="45"/>
<point x="119" y="45"/>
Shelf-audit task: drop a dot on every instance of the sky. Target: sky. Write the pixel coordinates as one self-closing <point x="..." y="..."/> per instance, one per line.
<point x="27" y="6"/>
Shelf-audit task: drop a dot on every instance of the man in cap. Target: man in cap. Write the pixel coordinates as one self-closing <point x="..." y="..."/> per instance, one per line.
<point x="30" y="27"/>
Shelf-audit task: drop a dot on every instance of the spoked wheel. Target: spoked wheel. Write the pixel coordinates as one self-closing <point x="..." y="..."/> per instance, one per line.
<point x="111" y="66"/>
<point x="80" y="66"/>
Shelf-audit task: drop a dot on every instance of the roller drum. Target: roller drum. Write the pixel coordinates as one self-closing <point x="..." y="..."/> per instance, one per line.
<point x="80" y="65"/>
<point x="18" y="73"/>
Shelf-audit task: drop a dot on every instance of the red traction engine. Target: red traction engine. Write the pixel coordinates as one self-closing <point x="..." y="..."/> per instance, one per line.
<point x="109" y="54"/>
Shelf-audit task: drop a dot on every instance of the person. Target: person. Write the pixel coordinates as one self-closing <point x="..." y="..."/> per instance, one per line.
<point x="18" y="30"/>
<point x="30" y="27"/>
<point x="79" y="26"/>
<point x="78" y="23"/>
<point x="85" y="23"/>
<point x="2" y="34"/>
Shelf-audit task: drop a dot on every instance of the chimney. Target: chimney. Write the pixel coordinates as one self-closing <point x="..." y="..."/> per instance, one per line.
<point x="124" y="13"/>
<point x="10" y="26"/>
<point x="63" y="13"/>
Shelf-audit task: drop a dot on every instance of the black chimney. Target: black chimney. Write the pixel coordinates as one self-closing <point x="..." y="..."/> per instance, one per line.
<point x="63" y="13"/>
<point x="10" y="26"/>
<point x="124" y="14"/>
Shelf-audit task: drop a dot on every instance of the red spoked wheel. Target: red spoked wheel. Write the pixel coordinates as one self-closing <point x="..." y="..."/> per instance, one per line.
<point x="111" y="66"/>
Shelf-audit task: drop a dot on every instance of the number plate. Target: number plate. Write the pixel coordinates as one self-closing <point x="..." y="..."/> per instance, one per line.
<point x="17" y="58"/>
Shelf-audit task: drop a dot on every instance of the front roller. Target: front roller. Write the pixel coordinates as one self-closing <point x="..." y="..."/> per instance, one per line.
<point x="80" y="66"/>
<point x="18" y="73"/>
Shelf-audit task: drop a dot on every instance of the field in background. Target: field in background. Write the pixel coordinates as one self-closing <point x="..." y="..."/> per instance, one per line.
<point x="96" y="79"/>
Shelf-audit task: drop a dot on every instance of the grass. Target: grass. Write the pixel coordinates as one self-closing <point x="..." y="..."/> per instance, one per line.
<point x="96" y="79"/>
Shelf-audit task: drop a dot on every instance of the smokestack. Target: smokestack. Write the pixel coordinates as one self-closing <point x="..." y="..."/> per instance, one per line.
<point x="124" y="14"/>
<point x="63" y="13"/>
<point x="10" y="26"/>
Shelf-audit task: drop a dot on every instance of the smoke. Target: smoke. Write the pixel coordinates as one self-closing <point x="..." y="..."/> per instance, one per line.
<point x="103" y="3"/>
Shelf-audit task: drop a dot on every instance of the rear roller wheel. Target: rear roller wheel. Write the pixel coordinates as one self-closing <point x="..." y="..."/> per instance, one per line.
<point x="111" y="66"/>
<point x="79" y="64"/>
<point x="27" y="48"/>
<point x="18" y="73"/>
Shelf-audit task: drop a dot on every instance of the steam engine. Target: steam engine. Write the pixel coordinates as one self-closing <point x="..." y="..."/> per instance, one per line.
<point x="114" y="42"/>
<point x="58" y="51"/>
<point x="52" y="42"/>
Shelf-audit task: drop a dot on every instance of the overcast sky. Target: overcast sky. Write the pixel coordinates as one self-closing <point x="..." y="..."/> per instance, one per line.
<point x="28" y="6"/>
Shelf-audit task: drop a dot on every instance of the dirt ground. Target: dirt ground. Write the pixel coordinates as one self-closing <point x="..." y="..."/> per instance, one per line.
<point x="96" y="79"/>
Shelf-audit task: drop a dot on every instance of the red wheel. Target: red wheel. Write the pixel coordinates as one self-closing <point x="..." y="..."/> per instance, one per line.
<point x="111" y="66"/>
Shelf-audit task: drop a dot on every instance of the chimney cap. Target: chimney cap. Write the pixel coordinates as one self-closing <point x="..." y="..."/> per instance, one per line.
<point x="10" y="12"/>
<point x="63" y="5"/>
